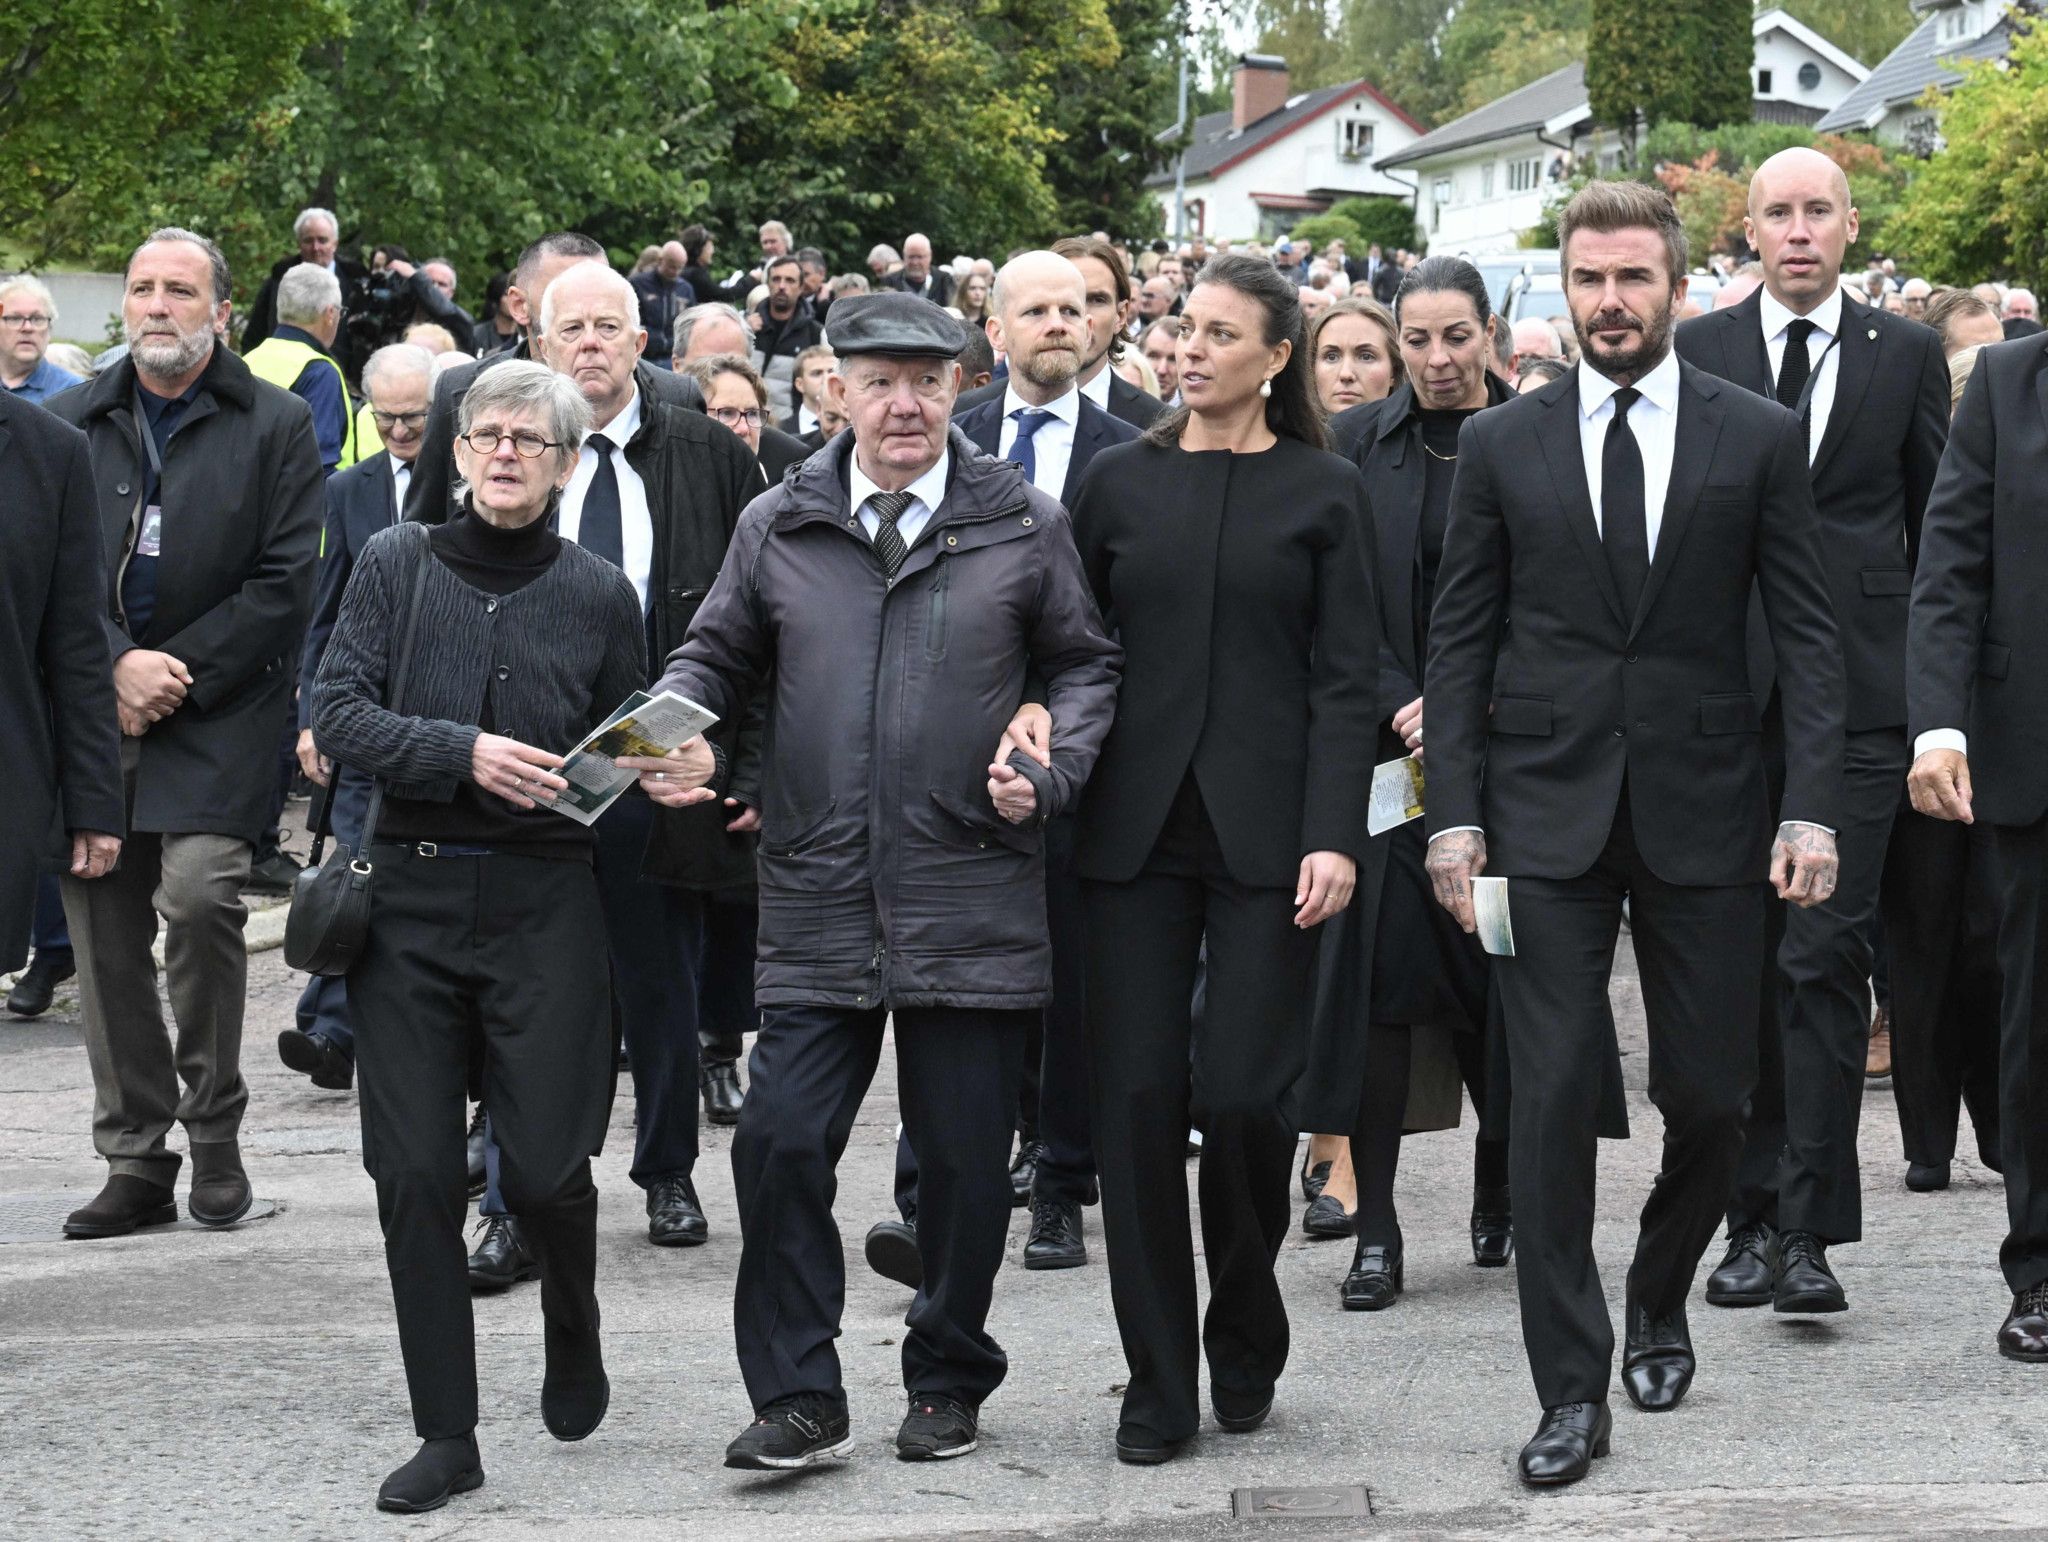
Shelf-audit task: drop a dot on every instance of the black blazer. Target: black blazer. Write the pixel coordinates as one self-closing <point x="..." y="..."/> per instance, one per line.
<point x="1977" y="643"/>
<point x="359" y="504"/>
<point x="940" y="292"/>
<point x="1135" y="407"/>
<point x="1534" y="724"/>
<point x="780" y="451"/>
<point x="1242" y="589"/>
<point x="1871" y="478"/>
<point x="1094" y="431"/>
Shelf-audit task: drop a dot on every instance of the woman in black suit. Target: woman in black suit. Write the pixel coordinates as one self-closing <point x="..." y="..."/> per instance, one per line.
<point x="1398" y="981"/>
<point x="1232" y="552"/>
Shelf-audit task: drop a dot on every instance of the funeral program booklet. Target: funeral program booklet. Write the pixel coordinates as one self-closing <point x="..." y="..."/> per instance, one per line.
<point x="1490" y="910"/>
<point x="644" y="725"/>
<point x="1396" y="795"/>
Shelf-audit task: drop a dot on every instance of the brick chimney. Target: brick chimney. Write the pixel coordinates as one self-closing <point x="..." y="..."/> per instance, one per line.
<point x="1258" y="89"/>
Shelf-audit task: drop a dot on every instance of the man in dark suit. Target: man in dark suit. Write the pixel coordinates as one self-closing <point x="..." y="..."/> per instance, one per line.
<point x="361" y="500"/>
<point x="1977" y="679"/>
<point x="917" y="276"/>
<point x="1048" y="427"/>
<point x="1109" y="304"/>
<point x="318" y="235"/>
<point x="1871" y="392"/>
<point x="1629" y="509"/>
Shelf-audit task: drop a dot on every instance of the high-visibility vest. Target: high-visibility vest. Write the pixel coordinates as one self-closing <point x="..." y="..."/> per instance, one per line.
<point x="368" y="440"/>
<point x="281" y="360"/>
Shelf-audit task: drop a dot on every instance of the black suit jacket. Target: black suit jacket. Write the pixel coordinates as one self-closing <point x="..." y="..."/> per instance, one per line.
<point x="780" y="451"/>
<point x="1543" y="695"/>
<point x="1242" y="590"/>
<point x="1977" y="644"/>
<point x="1135" y="407"/>
<point x="940" y="293"/>
<point x="1095" y="430"/>
<point x="1871" y="476"/>
<point x="359" y="504"/>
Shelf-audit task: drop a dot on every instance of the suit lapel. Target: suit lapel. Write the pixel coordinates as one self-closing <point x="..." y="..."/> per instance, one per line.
<point x="1861" y="341"/>
<point x="1559" y="436"/>
<point x="1088" y="438"/>
<point x="1692" y="455"/>
<point x="1749" y="361"/>
<point x="984" y="426"/>
<point x="1394" y="470"/>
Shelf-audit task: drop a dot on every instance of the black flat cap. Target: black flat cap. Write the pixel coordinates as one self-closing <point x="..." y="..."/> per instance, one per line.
<point x="894" y="323"/>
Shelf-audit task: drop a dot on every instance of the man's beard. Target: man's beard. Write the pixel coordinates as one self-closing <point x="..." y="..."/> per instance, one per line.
<point x="1051" y="367"/>
<point x="1653" y="341"/>
<point x="168" y="357"/>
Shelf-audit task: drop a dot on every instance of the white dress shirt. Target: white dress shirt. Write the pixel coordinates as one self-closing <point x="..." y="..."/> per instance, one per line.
<point x="1654" y="422"/>
<point x="926" y="494"/>
<point x="401" y="479"/>
<point x="636" y="520"/>
<point x="1052" y="447"/>
<point x="1097" y="390"/>
<point x="1827" y="326"/>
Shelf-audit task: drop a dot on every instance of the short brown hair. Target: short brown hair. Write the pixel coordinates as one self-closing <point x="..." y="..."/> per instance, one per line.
<point x="1605" y="207"/>
<point x="710" y="366"/>
<point x="1075" y="247"/>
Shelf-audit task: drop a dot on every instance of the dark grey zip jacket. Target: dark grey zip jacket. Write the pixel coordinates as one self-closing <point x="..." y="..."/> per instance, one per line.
<point x="886" y="875"/>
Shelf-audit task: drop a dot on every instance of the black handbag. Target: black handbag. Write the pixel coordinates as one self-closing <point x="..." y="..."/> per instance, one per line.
<point x="330" y="914"/>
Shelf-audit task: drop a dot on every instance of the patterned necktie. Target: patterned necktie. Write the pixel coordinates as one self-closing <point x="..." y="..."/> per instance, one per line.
<point x="1793" y="370"/>
<point x="888" y="508"/>
<point x="601" y="532"/>
<point x="1624" y="526"/>
<point x="1023" y="451"/>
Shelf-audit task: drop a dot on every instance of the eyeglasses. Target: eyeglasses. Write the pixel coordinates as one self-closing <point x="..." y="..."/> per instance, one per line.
<point x="33" y="322"/>
<point x="733" y="417"/>
<point x="529" y="446"/>
<point x="387" y="421"/>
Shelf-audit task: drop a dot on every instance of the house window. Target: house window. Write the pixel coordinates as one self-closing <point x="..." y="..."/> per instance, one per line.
<point x="1763" y="82"/>
<point x="1356" y="144"/>
<point x="1440" y="194"/>
<point x="1809" y="76"/>
<point x="1486" y="181"/>
<point x="1524" y="175"/>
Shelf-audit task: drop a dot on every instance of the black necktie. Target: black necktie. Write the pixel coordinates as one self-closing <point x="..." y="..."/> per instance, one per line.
<point x="1624" y="526"/>
<point x="602" y="531"/>
<point x="1793" y="370"/>
<point x="889" y="545"/>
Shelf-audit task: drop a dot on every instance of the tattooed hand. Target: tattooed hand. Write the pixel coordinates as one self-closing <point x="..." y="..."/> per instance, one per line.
<point x="1803" y="864"/>
<point x="1455" y="859"/>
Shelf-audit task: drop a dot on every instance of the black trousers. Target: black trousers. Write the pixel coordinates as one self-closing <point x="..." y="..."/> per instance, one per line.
<point x="726" y="938"/>
<point x="1700" y="952"/>
<point x="957" y="1071"/>
<point x="510" y="950"/>
<point x="1798" y="1169"/>
<point x="1144" y="941"/>
<point x="1941" y="925"/>
<point x="2023" y="1050"/>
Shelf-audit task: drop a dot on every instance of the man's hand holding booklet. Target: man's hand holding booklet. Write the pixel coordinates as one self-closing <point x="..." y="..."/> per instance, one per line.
<point x="659" y="739"/>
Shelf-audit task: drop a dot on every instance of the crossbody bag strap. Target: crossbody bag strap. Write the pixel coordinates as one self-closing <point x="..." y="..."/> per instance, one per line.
<point x="398" y="676"/>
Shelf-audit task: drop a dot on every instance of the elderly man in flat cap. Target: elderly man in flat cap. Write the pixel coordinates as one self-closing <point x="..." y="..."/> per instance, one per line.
<point x="892" y="593"/>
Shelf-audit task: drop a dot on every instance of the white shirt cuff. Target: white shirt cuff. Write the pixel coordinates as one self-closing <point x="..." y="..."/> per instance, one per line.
<point x="1454" y="829"/>
<point x="1941" y="739"/>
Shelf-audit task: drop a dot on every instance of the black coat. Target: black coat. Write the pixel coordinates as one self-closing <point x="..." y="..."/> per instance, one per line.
<point x="1532" y="727"/>
<point x="1242" y="589"/>
<point x="242" y="499"/>
<point x="1977" y="643"/>
<point x="263" y="310"/>
<point x="359" y="504"/>
<point x="780" y="451"/>
<point x="1094" y="431"/>
<point x="56" y="671"/>
<point x="1138" y="408"/>
<point x="940" y="292"/>
<point x="1871" y="477"/>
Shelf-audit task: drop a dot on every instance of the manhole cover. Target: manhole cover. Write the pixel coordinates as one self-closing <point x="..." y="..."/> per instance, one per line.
<point x="40" y="1217"/>
<point x="1263" y="1504"/>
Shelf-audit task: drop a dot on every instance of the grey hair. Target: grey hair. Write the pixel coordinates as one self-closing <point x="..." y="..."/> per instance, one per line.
<point x="443" y="262"/>
<point x="779" y="228"/>
<point x="305" y="294"/>
<point x="519" y="385"/>
<point x="396" y="359"/>
<point x="307" y="216"/>
<point x="626" y="294"/>
<point x="223" y="283"/>
<point x="34" y="288"/>
<point x="687" y="323"/>
<point x="848" y="283"/>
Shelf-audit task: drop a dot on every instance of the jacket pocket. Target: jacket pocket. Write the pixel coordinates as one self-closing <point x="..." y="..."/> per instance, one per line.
<point x="795" y="830"/>
<point x="968" y="825"/>
<point x="1734" y="713"/>
<point x="1994" y="660"/>
<point x="1888" y="581"/>
<point x="1521" y="715"/>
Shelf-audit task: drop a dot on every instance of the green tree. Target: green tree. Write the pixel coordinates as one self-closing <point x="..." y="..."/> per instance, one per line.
<point x="1866" y="30"/>
<point x="1978" y="208"/>
<point x="1385" y="222"/>
<point x="1110" y="120"/>
<point x="1698" y="72"/>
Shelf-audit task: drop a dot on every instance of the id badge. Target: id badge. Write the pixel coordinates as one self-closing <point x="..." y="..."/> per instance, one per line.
<point x="150" y="543"/>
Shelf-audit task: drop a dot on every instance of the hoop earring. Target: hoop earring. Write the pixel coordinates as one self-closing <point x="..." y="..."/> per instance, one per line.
<point x="1266" y="386"/>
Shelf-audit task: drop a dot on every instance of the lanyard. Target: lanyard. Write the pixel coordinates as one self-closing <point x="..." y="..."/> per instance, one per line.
<point x="1813" y="375"/>
<point x="156" y="460"/>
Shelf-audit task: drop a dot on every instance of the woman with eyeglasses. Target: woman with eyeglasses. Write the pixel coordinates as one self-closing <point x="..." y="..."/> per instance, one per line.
<point x="734" y="394"/>
<point x="486" y="925"/>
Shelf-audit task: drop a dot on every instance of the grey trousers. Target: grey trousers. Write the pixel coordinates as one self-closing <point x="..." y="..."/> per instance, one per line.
<point x="193" y="883"/>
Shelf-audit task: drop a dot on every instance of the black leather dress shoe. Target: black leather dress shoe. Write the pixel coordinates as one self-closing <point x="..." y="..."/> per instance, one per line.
<point x="1565" y="1443"/>
<point x="892" y="1253"/>
<point x="502" y="1259"/>
<point x="1657" y="1362"/>
<point x="1803" y="1281"/>
<point x="1927" y="1177"/>
<point x="1493" y="1226"/>
<point x="1055" y="1241"/>
<point x="274" y="874"/>
<point x="37" y="987"/>
<point x="674" y="1218"/>
<point x="1325" y="1218"/>
<point x="1313" y="1179"/>
<point x="2024" y="1333"/>
<point x="124" y="1204"/>
<point x="1242" y="1413"/>
<point x="1744" y="1277"/>
<point x="1139" y="1447"/>
<point x="220" y="1194"/>
<point x="723" y="1098"/>
<point x="479" y="1178"/>
<point x="440" y="1470"/>
<point x="315" y="1057"/>
<point x="1374" y="1282"/>
<point x="1024" y="1172"/>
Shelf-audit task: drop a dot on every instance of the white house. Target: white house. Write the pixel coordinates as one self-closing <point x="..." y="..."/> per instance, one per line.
<point x="1887" y="104"/>
<point x="1277" y="156"/>
<point x="1483" y="179"/>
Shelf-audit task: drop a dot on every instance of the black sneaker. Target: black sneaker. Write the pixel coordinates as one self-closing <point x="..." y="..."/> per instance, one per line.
<point x="274" y="874"/>
<point x="937" y="1427"/>
<point x="792" y="1433"/>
